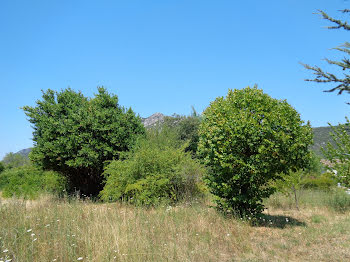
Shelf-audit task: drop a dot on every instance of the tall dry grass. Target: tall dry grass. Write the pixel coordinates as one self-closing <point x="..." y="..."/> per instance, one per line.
<point x="73" y="230"/>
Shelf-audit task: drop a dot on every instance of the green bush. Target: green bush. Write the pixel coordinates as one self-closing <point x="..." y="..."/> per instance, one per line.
<point x="28" y="182"/>
<point x="323" y="182"/>
<point x="155" y="171"/>
<point x="339" y="201"/>
<point x="248" y="139"/>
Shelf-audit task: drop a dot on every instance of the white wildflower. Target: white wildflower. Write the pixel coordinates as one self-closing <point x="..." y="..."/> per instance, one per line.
<point x="29" y="230"/>
<point x="32" y="234"/>
<point x="35" y="239"/>
<point x="80" y="258"/>
<point x="5" y="251"/>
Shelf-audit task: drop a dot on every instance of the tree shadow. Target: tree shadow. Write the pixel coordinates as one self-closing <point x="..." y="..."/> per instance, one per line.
<point x="277" y="221"/>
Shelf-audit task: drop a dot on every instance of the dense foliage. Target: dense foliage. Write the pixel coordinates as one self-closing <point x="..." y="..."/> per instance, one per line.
<point x="248" y="139"/>
<point x="75" y="135"/>
<point x="338" y="153"/>
<point x="2" y="167"/>
<point x="12" y="160"/>
<point x="28" y="182"/>
<point x="186" y="128"/>
<point x="157" y="170"/>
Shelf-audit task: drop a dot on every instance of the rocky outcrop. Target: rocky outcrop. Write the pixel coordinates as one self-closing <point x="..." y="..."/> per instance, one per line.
<point x="24" y="152"/>
<point x="153" y="120"/>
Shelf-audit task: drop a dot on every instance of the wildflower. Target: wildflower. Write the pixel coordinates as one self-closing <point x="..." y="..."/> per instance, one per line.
<point x="32" y="234"/>
<point x="80" y="258"/>
<point x="228" y="235"/>
<point x="29" y="230"/>
<point x="287" y="220"/>
<point x="47" y="225"/>
<point x="35" y="239"/>
<point x="8" y="260"/>
<point x="58" y="220"/>
<point x="5" y="251"/>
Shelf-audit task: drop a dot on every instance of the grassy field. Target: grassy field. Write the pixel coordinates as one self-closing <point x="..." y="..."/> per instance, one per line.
<point x="51" y="229"/>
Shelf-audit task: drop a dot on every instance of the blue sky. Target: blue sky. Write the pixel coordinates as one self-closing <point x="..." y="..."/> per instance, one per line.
<point x="164" y="56"/>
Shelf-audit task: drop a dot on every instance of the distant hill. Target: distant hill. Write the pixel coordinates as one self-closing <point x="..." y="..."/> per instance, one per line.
<point x="153" y="120"/>
<point x="24" y="152"/>
<point x="321" y="138"/>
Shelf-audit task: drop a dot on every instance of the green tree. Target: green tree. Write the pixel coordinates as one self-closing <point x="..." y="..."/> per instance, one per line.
<point x="75" y="135"/>
<point x="186" y="128"/>
<point x="248" y="139"/>
<point x="12" y="160"/>
<point x="342" y="83"/>
<point x="338" y="153"/>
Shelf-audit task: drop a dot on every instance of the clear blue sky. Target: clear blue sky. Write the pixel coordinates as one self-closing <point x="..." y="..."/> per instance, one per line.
<point x="164" y="56"/>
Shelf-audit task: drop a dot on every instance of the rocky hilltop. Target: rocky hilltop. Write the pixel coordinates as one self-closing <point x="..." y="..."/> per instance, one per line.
<point x="153" y="119"/>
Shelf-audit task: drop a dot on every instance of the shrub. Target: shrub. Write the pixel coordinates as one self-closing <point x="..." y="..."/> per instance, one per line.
<point x="28" y="182"/>
<point x="155" y="171"/>
<point x="323" y="182"/>
<point x="248" y="139"/>
<point x="339" y="201"/>
<point x="75" y="135"/>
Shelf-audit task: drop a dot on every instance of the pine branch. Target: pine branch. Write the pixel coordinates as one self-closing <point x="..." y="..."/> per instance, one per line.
<point x="340" y="24"/>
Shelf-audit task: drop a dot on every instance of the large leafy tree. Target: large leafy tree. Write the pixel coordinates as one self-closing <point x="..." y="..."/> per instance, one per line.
<point x="341" y="81"/>
<point x="248" y="139"/>
<point x="75" y="135"/>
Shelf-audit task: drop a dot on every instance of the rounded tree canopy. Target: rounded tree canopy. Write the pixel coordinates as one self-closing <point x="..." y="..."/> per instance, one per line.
<point x="75" y="135"/>
<point x="247" y="139"/>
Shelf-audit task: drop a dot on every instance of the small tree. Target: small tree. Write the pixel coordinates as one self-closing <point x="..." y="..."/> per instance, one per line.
<point x="75" y="135"/>
<point x="248" y="139"/>
<point x="338" y="153"/>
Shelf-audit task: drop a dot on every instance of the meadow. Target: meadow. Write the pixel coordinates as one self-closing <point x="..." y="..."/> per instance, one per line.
<point x="72" y="229"/>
